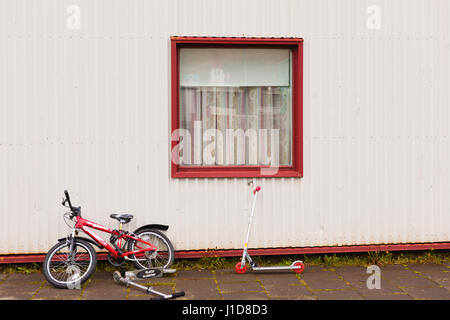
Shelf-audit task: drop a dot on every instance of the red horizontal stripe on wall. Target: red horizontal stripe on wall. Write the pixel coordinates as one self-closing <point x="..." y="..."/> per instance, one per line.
<point x="29" y="258"/>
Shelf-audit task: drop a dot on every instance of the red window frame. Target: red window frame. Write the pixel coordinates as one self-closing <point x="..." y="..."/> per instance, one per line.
<point x="296" y="45"/>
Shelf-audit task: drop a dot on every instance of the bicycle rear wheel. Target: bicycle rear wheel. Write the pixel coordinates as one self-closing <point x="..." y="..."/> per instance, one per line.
<point x="66" y="271"/>
<point x="163" y="257"/>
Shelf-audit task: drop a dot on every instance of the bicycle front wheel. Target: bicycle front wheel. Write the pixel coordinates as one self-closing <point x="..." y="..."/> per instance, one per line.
<point x="68" y="269"/>
<point x="162" y="257"/>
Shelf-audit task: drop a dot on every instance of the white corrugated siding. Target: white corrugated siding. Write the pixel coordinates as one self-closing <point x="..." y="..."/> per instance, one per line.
<point x="88" y="110"/>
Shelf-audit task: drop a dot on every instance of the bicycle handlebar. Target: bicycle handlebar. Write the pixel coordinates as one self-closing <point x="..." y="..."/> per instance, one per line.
<point x="75" y="210"/>
<point x="66" y="193"/>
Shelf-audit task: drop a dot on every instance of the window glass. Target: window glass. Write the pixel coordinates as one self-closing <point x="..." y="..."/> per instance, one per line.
<point x="235" y="107"/>
<point x="213" y="67"/>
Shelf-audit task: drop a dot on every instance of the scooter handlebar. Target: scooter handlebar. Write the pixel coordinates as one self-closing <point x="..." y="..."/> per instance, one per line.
<point x="256" y="190"/>
<point x="178" y="294"/>
<point x="172" y="296"/>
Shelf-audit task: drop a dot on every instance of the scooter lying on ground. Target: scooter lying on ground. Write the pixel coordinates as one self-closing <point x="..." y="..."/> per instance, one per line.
<point x="128" y="279"/>
<point x="241" y="266"/>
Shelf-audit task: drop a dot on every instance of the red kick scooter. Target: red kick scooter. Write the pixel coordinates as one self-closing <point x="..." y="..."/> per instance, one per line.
<point x="241" y="266"/>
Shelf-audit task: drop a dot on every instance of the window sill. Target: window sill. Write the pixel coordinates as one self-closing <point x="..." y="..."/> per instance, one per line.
<point x="236" y="172"/>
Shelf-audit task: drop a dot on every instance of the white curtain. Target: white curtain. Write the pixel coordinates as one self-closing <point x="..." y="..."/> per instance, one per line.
<point x="236" y="125"/>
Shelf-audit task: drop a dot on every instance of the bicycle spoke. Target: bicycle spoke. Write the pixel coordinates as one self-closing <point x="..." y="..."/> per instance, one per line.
<point x="160" y="257"/>
<point x="61" y="257"/>
<point x="66" y="270"/>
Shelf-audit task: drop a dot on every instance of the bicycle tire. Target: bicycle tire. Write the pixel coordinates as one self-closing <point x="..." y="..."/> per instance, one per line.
<point x="164" y="256"/>
<point x="69" y="269"/>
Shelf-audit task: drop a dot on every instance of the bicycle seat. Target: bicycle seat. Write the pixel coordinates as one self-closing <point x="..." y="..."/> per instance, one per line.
<point x="122" y="217"/>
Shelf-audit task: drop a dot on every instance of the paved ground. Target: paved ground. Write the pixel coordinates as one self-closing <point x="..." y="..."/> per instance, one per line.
<point x="398" y="282"/>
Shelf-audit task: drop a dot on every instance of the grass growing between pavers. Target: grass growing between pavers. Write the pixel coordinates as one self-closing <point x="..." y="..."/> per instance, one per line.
<point x="25" y="268"/>
<point x="328" y="260"/>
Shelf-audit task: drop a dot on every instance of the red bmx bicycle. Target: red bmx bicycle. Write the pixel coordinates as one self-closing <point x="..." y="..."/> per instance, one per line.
<point x="73" y="259"/>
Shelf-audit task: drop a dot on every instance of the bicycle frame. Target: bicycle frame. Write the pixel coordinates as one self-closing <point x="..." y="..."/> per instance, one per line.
<point x="86" y="225"/>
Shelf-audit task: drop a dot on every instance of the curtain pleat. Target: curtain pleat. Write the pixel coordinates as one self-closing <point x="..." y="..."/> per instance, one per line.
<point x="236" y="125"/>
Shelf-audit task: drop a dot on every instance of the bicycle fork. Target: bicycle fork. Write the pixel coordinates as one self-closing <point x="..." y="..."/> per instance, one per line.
<point x="71" y="241"/>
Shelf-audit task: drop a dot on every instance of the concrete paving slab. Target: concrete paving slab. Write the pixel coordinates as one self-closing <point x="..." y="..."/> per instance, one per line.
<point x="444" y="283"/>
<point x="274" y="290"/>
<point x="361" y="285"/>
<point x="387" y="296"/>
<point x="346" y="294"/>
<point x="231" y="275"/>
<point x="388" y="274"/>
<point x="356" y="278"/>
<point x="245" y="296"/>
<point x="427" y="266"/>
<point x="194" y="274"/>
<point x="436" y="293"/>
<point x="102" y="275"/>
<point x="136" y="294"/>
<point x="322" y="274"/>
<point x="48" y="292"/>
<point x="398" y="282"/>
<point x="436" y="273"/>
<point x="323" y="279"/>
<point x="395" y="267"/>
<point x="23" y="277"/>
<point x="294" y="298"/>
<point x="235" y="286"/>
<point x="282" y="278"/>
<point x="350" y="270"/>
<point x="204" y="289"/>
<point x="352" y="273"/>
<point x="415" y="282"/>
<point x="141" y="296"/>
<point x="104" y="290"/>
<point x="282" y="285"/>
<point x="18" y="286"/>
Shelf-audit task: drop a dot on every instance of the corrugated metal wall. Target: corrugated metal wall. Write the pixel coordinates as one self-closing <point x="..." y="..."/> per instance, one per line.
<point x="88" y="110"/>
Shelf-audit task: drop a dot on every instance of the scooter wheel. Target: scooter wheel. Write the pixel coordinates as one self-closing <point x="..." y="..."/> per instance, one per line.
<point x="299" y="267"/>
<point x="239" y="269"/>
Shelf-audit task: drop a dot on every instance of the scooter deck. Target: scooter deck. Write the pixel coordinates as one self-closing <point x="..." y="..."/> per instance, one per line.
<point x="277" y="268"/>
<point x="147" y="273"/>
<point x="241" y="267"/>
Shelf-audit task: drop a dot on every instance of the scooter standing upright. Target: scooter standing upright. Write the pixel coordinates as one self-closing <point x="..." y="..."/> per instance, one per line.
<point x="241" y="266"/>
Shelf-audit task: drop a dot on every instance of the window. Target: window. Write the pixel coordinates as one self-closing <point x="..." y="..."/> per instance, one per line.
<point x="236" y="107"/>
